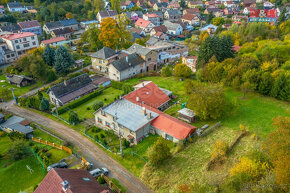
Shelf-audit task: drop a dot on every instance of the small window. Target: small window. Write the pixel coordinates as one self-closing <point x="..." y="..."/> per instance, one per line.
<point x="34" y="43"/>
<point x="108" y="124"/>
<point x="149" y="59"/>
<point x="17" y="47"/>
<point x="26" y="45"/>
<point x="100" y="120"/>
<point x="32" y="37"/>
<point x="24" y="39"/>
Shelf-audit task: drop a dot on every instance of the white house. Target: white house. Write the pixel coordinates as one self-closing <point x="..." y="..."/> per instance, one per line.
<point x="16" y="7"/>
<point x="173" y="28"/>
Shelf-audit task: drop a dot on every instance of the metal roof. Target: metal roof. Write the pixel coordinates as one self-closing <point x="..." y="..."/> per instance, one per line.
<point x="129" y="114"/>
<point x="187" y="112"/>
<point x="12" y="120"/>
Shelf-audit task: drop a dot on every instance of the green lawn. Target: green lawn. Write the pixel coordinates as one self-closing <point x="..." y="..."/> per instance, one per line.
<point x="45" y="136"/>
<point x="19" y="91"/>
<point x="108" y="96"/>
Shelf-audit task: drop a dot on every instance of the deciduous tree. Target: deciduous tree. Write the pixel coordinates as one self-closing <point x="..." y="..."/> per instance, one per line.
<point x="182" y="70"/>
<point x="158" y="152"/>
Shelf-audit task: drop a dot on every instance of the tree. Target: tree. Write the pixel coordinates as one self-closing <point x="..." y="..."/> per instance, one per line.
<point x="17" y="151"/>
<point x="265" y="84"/>
<point x="116" y="5"/>
<point x="73" y="117"/>
<point x="219" y="151"/>
<point x="282" y="16"/>
<point x="98" y="104"/>
<point x="277" y="147"/>
<point x="158" y="152"/>
<point x="63" y="60"/>
<point x="246" y="87"/>
<point x="182" y="70"/>
<point x="48" y="55"/>
<point x="69" y="15"/>
<point x="51" y="76"/>
<point x="281" y="88"/>
<point x="209" y="18"/>
<point x="38" y="68"/>
<point x="99" y="5"/>
<point x="44" y="104"/>
<point x="207" y="100"/>
<point x="109" y="35"/>
<point x="37" y="3"/>
<point x="5" y="94"/>
<point x="166" y="71"/>
<point x="218" y="21"/>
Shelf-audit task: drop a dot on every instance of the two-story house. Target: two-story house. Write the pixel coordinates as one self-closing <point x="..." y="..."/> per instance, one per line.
<point x="62" y="32"/>
<point x="126" y="4"/>
<point x="126" y="67"/>
<point x="70" y="23"/>
<point x="16" y="7"/>
<point x="144" y="25"/>
<point x="190" y="19"/>
<point x="21" y="42"/>
<point x="195" y="4"/>
<point x="31" y="26"/>
<point x="154" y="18"/>
<point x="59" y="41"/>
<point x="216" y="11"/>
<point x="160" y="6"/>
<point x="173" y="29"/>
<point x="150" y="56"/>
<point x="172" y="15"/>
<point x="105" y="14"/>
<point x="102" y="58"/>
<point x="50" y="26"/>
<point x="194" y="11"/>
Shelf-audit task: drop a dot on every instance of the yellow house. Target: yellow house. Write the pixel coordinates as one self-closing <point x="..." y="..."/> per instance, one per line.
<point x="101" y="58"/>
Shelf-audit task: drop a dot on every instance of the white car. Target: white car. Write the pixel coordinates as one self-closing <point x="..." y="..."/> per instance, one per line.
<point x="97" y="172"/>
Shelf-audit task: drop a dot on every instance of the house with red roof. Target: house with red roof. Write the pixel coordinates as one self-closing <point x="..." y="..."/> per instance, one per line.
<point x="144" y="24"/>
<point x="70" y="181"/>
<point x="59" y="41"/>
<point x="140" y="112"/>
<point x="154" y="18"/>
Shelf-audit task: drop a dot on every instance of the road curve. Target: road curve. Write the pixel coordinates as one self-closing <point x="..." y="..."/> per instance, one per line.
<point x="90" y="150"/>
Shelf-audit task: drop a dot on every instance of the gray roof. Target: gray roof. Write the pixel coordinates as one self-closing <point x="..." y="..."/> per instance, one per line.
<point x="174" y="12"/>
<point x="162" y="4"/>
<point x="171" y="26"/>
<point x="12" y="120"/>
<point x="20" y="128"/>
<point x="152" y="41"/>
<point x="104" y="53"/>
<point x="187" y="112"/>
<point x="159" y="13"/>
<point x="54" y="25"/>
<point x="15" y="5"/>
<point x="167" y="92"/>
<point x="127" y="62"/>
<point x="139" y="49"/>
<point x="61" y="31"/>
<point x="128" y="114"/>
<point x="108" y="13"/>
<point x="17" y="79"/>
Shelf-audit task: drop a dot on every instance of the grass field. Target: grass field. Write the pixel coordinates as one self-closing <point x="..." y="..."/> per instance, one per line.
<point x="18" y="91"/>
<point x="108" y="96"/>
<point x="45" y="136"/>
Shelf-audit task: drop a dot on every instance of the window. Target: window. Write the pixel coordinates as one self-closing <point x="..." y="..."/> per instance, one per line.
<point x="103" y="113"/>
<point x="26" y="45"/>
<point x="149" y="59"/>
<point x="12" y="55"/>
<point x="16" y="41"/>
<point x="32" y="37"/>
<point x="17" y="47"/>
<point x="100" y="120"/>
<point x="34" y="43"/>
<point x="24" y="39"/>
<point x="8" y="56"/>
<point x="107" y="124"/>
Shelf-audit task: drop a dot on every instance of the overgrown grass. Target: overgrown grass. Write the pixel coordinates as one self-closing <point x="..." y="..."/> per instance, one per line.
<point x="45" y="136"/>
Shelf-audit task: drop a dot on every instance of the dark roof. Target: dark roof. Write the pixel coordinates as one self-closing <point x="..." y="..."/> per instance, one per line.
<point x="54" y="25"/>
<point x="104" y="53"/>
<point x="174" y="12"/>
<point x="161" y="28"/>
<point x="108" y="13"/>
<point x="17" y="79"/>
<point x="159" y="13"/>
<point x="20" y="128"/>
<point x="162" y="4"/>
<point x="15" y="5"/>
<point x="71" y="85"/>
<point x="100" y="80"/>
<point x="29" y="24"/>
<point x="213" y="10"/>
<point x="12" y="28"/>
<point x="127" y="62"/>
<point x="135" y="36"/>
<point x="79" y="181"/>
<point x="68" y="22"/>
<point x="62" y="31"/>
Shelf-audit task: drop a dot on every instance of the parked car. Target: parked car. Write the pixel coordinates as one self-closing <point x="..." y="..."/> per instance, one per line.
<point x="97" y="172"/>
<point x="57" y="165"/>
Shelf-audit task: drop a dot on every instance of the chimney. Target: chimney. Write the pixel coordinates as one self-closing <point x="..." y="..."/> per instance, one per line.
<point x="137" y="99"/>
<point x="144" y="111"/>
<point x="143" y="84"/>
<point x="149" y="115"/>
<point x="127" y="60"/>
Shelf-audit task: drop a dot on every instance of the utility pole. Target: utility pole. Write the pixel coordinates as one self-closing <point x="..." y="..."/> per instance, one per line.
<point x="56" y="110"/>
<point x="12" y="89"/>
<point x="121" y="147"/>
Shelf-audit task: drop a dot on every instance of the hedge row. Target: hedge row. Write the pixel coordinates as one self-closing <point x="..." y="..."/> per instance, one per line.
<point x="79" y="101"/>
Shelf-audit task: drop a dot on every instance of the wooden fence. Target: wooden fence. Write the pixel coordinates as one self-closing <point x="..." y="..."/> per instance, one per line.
<point x="61" y="147"/>
<point x="111" y="184"/>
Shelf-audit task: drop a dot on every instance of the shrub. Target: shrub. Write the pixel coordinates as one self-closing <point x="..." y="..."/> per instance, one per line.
<point x="97" y="137"/>
<point x="219" y="150"/>
<point x="101" y="180"/>
<point x="158" y="152"/>
<point x="105" y="142"/>
<point x="125" y="143"/>
<point x="48" y="155"/>
<point x="73" y="117"/>
<point x="88" y="108"/>
<point x="17" y="151"/>
<point x="102" y="135"/>
<point x="2" y="134"/>
<point x="97" y="105"/>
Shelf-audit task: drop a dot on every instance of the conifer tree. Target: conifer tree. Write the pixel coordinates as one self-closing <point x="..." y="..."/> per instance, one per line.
<point x="63" y="60"/>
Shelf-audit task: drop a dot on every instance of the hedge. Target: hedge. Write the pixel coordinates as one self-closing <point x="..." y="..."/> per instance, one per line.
<point x="79" y="101"/>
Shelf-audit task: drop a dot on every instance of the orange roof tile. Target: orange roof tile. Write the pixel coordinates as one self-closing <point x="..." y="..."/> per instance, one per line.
<point x="142" y="23"/>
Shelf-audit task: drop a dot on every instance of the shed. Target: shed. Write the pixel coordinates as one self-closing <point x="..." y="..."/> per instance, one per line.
<point x="187" y="115"/>
<point x="19" y="80"/>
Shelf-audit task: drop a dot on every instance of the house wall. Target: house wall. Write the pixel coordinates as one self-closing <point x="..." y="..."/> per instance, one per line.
<point x="163" y="134"/>
<point x="36" y="30"/>
<point x="99" y="64"/>
<point x="74" y="27"/>
<point x="114" y="74"/>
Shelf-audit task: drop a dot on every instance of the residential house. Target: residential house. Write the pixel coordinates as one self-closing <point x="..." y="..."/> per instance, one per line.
<point x="231" y="10"/>
<point x="139" y="31"/>
<point x="216" y="11"/>
<point x="154" y="18"/>
<point x="2" y="58"/>
<point x="19" y="43"/>
<point x="134" y="15"/>
<point x="209" y="3"/>
<point x="7" y="56"/>
<point x="62" y="32"/>
<point x="150" y="56"/>
<point x="249" y="3"/>
<point x="126" y="4"/>
<point x="17" y="124"/>
<point x="144" y="25"/>
<point x="209" y="28"/>
<point x="105" y="14"/>
<point x="268" y="5"/>
<point x="4" y="24"/>
<point x="70" y="23"/>
<point x="190" y="19"/>
<point x="195" y="4"/>
<point x="11" y="28"/>
<point x="230" y="4"/>
<point x="50" y="26"/>
<point x="127" y="67"/>
<point x="19" y="80"/>
<point x="71" y="89"/>
<point x="85" y="24"/>
<point x="31" y="9"/>
<point x="151" y="3"/>
<point x="190" y="61"/>
<point x="2" y="10"/>
<point x="249" y="10"/>
<point x="70" y="181"/>
<point x="172" y="15"/>
<point x="16" y="7"/>
<point x="174" y="29"/>
<point x="240" y="18"/>
<point x="168" y="51"/>
<point x="100" y="81"/>
<point x="174" y="5"/>
<point x="194" y="11"/>
<point x="137" y="114"/>
<point x="59" y="41"/>
<point x="31" y="26"/>
<point x="107" y="6"/>
<point x="159" y="13"/>
<point x="159" y="32"/>
<point x="102" y="58"/>
<point x="160" y="6"/>
<point x="160" y="35"/>
<point x="138" y="3"/>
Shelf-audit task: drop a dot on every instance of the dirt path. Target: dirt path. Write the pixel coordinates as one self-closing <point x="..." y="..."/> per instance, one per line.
<point x="90" y="150"/>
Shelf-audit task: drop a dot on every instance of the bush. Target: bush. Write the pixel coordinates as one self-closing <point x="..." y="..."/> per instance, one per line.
<point x="73" y="117"/>
<point x="17" y="151"/>
<point x="158" y="152"/>
<point x="105" y="142"/>
<point x="2" y="134"/>
<point x="97" y="137"/>
<point x="101" y="180"/>
<point x="125" y="143"/>
<point x="181" y="70"/>
<point x="166" y="71"/>
<point x="48" y="155"/>
<point x="97" y="105"/>
<point x="88" y="108"/>
<point x="102" y="135"/>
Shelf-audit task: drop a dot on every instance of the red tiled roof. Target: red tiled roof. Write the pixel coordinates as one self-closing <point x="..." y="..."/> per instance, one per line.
<point x="151" y="15"/>
<point x="17" y="36"/>
<point x="161" y="28"/>
<point x="188" y="17"/>
<point x="52" y="182"/>
<point x="192" y="11"/>
<point x="25" y="123"/>
<point x="53" y="40"/>
<point x="151" y="94"/>
<point x="142" y="23"/>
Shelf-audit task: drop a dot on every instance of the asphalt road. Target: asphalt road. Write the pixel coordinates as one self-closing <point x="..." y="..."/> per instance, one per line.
<point x="90" y="150"/>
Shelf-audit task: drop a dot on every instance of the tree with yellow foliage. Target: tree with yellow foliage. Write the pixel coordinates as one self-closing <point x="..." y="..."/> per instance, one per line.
<point x="109" y="33"/>
<point x="219" y="151"/>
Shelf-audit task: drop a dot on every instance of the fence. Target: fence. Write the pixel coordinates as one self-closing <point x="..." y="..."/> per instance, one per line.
<point x="61" y="147"/>
<point x="61" y="118"/>
<point x="111" y="184"/>
<point x="98" y="141"/>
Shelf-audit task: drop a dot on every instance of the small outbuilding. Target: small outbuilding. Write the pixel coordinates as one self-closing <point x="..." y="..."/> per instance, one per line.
<point x="19" y="80"/>
<point x="187" y="115"/>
